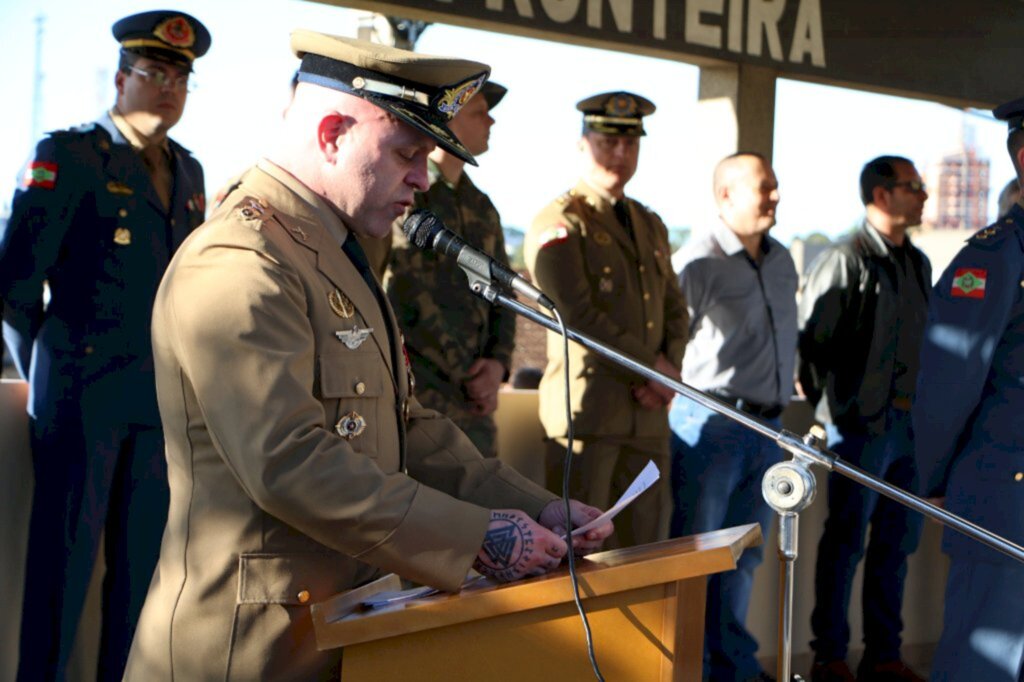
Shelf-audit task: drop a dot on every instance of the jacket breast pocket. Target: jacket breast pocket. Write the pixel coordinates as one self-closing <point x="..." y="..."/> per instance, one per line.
<point x="354" y="390"/>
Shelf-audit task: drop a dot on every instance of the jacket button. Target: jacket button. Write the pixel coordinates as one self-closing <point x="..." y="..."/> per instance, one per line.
<point x="303" y="596"/>
<point x="123" y="213"/>
<point x="641" y="268"/>
<point x="650" y="325"/>
<point x="647" y="296"/>
<point x="607" y="269"/>
<point x="88" y="350"/>
<point x="1019" y="476"/>
<point x="360" y="388"/>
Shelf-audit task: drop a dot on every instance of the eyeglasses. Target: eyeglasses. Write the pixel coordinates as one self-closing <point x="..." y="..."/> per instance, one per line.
<point x="161" y="80"/>
<point x="912" y="185"/>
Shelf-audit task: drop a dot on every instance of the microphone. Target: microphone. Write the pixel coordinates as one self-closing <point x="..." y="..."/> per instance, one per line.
<point x="427" y="231"/>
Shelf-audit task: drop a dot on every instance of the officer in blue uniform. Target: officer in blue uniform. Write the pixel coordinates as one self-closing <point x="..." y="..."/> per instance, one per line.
<point x="969" y="423"/>
<point x="99" y="211"/>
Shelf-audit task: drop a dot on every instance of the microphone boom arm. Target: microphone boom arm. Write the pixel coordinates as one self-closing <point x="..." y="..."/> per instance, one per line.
<point x="804" y="452"/>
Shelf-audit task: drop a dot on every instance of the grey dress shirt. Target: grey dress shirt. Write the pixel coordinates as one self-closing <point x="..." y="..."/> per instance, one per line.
<point x="743" y="327"/>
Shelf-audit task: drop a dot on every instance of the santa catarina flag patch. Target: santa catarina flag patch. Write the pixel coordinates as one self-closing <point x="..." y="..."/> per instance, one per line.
<point x="42" y="174"/>
<point x="969" y="282"/>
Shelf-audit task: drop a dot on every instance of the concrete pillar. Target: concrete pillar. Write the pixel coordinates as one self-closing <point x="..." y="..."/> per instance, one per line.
<point x="736" y="111"/>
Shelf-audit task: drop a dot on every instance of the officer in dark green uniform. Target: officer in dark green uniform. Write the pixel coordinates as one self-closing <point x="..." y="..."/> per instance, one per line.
<point x="460" y="346"/>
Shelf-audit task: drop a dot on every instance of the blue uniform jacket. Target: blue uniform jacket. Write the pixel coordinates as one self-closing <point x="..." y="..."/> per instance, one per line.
<point x="87" y="220"/>
<point x="969" y="410"/>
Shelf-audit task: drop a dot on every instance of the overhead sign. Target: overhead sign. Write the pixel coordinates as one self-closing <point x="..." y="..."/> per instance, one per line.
<point x="956" y="51"/>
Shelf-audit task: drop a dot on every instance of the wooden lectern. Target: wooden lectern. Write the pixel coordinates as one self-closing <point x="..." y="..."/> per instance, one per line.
<point x="645" y="605"/>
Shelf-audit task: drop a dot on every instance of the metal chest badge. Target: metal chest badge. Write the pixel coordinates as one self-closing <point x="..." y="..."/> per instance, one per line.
<point x="340" y="304"/>
<point x="122" y="236"/>
<point x="354" y="337"/>
<point x="351" y="425"/>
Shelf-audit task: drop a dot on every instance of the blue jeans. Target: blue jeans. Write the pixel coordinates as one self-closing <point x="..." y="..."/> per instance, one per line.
<point x="717" y="467"/>
<point x="895" y="532"/>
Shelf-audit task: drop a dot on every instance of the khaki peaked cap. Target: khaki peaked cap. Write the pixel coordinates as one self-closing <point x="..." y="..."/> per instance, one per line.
<point x="425" y="91"/>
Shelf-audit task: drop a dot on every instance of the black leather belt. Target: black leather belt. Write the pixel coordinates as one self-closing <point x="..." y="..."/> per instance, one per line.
<point x="751" y="408"/>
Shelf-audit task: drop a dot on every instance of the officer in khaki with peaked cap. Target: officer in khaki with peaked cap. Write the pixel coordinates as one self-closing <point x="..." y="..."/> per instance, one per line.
<point x="299" y="464"/>
<point x="604" y="259"/>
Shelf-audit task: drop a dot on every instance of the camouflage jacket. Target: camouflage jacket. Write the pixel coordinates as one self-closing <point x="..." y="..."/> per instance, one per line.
<point x="447" y="326"/>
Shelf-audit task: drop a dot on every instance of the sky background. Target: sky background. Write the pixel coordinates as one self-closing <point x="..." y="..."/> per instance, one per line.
<point x="823" y="135"/>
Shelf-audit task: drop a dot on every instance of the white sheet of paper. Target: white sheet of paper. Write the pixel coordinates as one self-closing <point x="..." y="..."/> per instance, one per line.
<point x="644" y="480"/>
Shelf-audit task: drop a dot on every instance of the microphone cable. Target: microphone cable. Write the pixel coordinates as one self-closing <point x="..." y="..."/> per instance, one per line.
<point x="565" y="500"/>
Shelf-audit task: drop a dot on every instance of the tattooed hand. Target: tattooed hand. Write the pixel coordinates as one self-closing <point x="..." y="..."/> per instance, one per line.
<point x="553" y="518"/>
<point x="517" y="546"/>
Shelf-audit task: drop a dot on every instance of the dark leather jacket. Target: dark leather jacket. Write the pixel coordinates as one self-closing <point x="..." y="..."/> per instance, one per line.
<point x="848" y="305"/>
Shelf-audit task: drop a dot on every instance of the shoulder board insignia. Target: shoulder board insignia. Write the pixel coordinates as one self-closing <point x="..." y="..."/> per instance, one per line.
<point x="41" y="174"/>
<point x="969" y="283"/>
<point x="251" y="208"/>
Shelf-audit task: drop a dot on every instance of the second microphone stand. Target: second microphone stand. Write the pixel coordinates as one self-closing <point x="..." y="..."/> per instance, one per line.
<point x="788" y="487"/>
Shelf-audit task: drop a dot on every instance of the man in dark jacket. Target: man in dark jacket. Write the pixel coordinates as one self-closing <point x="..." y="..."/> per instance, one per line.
<point x="98" y="213"/>
<point x="862" y="317"/>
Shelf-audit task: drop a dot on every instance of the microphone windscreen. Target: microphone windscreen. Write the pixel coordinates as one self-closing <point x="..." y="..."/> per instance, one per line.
<point x="420" y="227"/>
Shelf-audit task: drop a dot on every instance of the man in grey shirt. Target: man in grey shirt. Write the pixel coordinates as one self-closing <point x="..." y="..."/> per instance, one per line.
<point x="740" y="288"/>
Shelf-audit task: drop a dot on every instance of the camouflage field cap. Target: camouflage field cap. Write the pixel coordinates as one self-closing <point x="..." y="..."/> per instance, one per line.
<point x="166" y="35"/>
<point x="615" y="113"/>
<point x="425" y="91"/>
<point x="493" y="93"/>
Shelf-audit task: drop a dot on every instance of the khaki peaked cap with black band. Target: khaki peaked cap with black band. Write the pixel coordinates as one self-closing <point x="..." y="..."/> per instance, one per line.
<point x="425" y="91"/>
<point x="615" y="113"/>
<point x="493" y="93"/>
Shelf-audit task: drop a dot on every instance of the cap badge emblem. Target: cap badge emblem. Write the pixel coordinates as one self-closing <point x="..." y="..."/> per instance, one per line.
<point x="621" y="105"/>
<point x="340" y="304"/>
<point x="454" y="98"/>
<point x="175" y="31"/>
<point x="354" y="337"/>
<point x="350" y="426"/>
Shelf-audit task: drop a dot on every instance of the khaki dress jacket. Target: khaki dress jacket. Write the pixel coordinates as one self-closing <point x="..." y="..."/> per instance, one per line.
<point x="299" y="464"/>
<point x="620" y="291"/>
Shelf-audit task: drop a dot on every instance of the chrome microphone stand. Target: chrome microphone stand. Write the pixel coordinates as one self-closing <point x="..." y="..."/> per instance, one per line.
<point x="788" y="487"/>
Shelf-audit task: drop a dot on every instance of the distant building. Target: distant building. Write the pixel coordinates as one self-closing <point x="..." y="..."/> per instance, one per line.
<point x="958" y="192"/>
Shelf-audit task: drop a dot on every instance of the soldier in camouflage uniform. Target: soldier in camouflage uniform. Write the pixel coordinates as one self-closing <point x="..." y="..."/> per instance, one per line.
<point x="460" y="346"/>
<point x="604" y="259"/>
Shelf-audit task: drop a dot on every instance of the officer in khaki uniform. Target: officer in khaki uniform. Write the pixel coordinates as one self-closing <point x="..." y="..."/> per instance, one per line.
<point x="299" y="464"/>
<point x="604" y="259"/>
<point x="460" y="346"/>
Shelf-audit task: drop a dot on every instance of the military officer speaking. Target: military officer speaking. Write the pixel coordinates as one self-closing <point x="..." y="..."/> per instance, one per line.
<point x="604" y="259"/>
<point x="970" y="437"/>
<point x="300" y="465"/>
<point x="98" y="213"/>
<point x="460" y="346"/>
